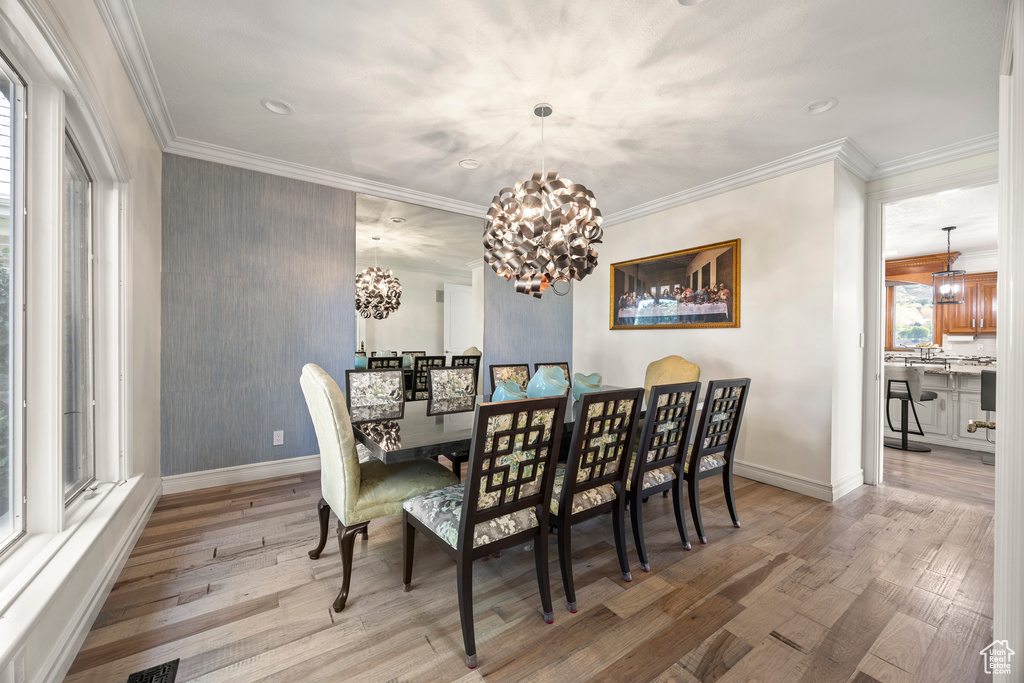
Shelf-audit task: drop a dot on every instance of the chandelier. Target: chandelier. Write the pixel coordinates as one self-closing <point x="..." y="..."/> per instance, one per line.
<point x="948" y="285"/>
<point x="541" y="232"/>
<point x="378" y="291"/>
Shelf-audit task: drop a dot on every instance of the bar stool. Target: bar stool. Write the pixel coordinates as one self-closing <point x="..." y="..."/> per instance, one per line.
<point x="904" y="384"/>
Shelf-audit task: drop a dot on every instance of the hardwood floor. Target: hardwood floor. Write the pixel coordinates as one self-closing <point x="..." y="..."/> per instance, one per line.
<point x="891" y="583"/>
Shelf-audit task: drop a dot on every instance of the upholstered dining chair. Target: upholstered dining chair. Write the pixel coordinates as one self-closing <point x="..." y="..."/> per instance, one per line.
<point x="357" y="492"/>
<point x="593" y="479"/>
<point x="715" y="444"/>
<point x="374" y="395"/>
<point x="502" y="504"/>
<point x="669" y="422"/>
<point x="670" y="370"/>
<point x="384" y="363"/>
<point x="421" y="366"/>
<point x="452" y="390"/>
<point x="561" y="365"/>
<point x="518" y="373"/>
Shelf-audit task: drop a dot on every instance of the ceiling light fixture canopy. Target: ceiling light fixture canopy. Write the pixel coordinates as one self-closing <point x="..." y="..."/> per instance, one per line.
<point x="541" y="232"/>
<point x="378" y="291"/>
<point x="948" y="285"/>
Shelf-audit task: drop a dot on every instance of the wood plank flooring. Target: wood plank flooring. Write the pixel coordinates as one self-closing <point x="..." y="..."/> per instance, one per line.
<point x="891" y="583"/>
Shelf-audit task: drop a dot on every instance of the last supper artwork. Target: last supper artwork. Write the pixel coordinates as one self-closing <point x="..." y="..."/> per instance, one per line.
<point x="697" y="287"/>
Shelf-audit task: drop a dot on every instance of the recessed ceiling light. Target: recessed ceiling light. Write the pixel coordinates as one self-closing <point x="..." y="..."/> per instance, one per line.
<point x="690" y="3"/>
<point x="820" y="106"/>
<point x="470" y="164"/>
<point x="397" y="219"/>
<point x="277" y="107"/>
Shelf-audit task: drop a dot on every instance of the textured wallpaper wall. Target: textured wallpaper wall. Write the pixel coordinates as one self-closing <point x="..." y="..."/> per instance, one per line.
<point x="521" y="329"/>
<point x="258" y="279"/>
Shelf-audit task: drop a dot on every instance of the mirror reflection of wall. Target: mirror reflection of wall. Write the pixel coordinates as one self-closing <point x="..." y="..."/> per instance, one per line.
<point x="437" y="257"/>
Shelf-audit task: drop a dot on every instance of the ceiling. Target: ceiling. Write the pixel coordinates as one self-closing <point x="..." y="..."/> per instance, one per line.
<point x="427" y="239"/>
<point x="913" y="227"/>
<point x="650" y="97"/>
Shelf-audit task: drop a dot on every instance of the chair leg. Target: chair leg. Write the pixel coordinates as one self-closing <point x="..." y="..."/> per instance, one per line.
<point x="730" y="499"/>
<point x="464" y="577"/>
<point x="346" y="540"/>
<point x="619" y="529"/>
<point x="408" y="544"/>
<point x="694" y="491"/>
<point x="677" y="506"/>
<point x="540" y="556"/>
<point x="323" y="511"/>
<point x="636" y="517"/>
<point x="565" y="564"/>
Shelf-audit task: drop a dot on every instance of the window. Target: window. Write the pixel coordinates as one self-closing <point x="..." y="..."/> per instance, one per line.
<point x="11" y="459"/>
<point x="77" y="389"/>
<point x="913" y="319"/>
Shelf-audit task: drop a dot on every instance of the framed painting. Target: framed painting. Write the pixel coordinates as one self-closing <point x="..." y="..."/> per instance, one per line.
<point x="698" y="287"/>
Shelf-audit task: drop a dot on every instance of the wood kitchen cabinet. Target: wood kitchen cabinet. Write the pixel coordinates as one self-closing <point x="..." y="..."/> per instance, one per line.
<point x="977" y="314"/>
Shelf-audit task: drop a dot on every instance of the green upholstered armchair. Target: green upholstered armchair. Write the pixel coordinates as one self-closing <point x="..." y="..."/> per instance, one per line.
<point x="357" y="492"/>
<point x="670" y="370"/>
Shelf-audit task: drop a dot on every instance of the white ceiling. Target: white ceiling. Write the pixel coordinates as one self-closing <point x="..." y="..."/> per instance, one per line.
<point x="429" y="239"/>
<point x="913" y="227"/>
<point x="650" y="98"/>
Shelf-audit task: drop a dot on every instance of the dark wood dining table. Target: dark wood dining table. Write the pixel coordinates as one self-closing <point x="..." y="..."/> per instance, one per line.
<point x="428" y="428"/>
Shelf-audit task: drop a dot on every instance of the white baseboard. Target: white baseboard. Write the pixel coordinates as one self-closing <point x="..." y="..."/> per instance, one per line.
<point x="847" y="484"/>
<point x="63" y="656"/>
<point x="784" y="480"/>
<point x="193" y="481"/>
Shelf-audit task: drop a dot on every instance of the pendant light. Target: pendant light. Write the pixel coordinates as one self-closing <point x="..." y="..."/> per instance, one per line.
<point x="948" y="284"/>
<point x="378" y="291"/>
<point x="541" y="232"/>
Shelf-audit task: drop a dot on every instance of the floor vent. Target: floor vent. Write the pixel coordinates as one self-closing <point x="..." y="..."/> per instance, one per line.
<point x="165" y="673"/>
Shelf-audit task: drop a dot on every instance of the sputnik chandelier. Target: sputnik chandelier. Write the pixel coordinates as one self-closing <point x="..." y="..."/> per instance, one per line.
<point x="378" y="292"/>
<point x="541" y="232"/>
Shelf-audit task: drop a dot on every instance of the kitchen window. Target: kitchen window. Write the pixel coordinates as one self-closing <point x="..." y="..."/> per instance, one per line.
<point x="912" y="315"/>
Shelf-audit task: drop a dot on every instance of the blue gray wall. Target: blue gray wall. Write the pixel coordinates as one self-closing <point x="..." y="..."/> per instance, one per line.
<point x="522" y="329"/>
<point x="258" y="279"/>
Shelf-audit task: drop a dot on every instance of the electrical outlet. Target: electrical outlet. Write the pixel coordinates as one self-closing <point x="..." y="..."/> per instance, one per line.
<point x="279" y="437"/>
<point x="981" y="347"/>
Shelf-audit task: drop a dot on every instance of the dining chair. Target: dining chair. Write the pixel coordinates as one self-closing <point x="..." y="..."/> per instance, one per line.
<point x="593" y="478"/>
<point x="413" y="353"/>
<point x="670" y="370"/>
<point x="384" y="362"/>
<point x="669" y="422"/>
<point x="452" y="390"/>
<point x="563" y="365"/>
<point x="421" y="366"/>
<point x="374" y="395"/>
<point x="357" y="492"/>
<point x="518" y="373"/>
<point x="503" y="503"/>
<point x="715" y="444"/>
<point x="466" y="361"/>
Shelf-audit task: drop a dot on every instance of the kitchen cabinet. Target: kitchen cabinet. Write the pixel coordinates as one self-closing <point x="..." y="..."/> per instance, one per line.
<point x="944" y="420"/>
<point x="977" y="314"/>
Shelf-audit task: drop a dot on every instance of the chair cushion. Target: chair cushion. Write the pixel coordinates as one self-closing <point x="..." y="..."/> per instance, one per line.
<point x="925" y="395"/>
<point x="583" y="500"/>
<point x="383" y="488"/>
<point x="708" y="462"/>
<point x="440" y="511"/>
<point x="663" y="474"/>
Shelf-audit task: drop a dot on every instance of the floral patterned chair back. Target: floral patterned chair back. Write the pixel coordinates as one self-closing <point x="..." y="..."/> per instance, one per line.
<point x="602" y="441"/>
<point x="511" y="464"/>
<point x="384" y="362"/>
<point x="374" y="394"/>
<point x="669" y="422"/>
<point x="564" y="367"/>
<point x="421" y="366"/>
<point x="719" y="424"/>
<point x="451" y="382"/>
<point x="518" y="373"/>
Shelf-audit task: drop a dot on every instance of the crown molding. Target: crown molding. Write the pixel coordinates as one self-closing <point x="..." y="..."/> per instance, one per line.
<point x="126" y="34"/>
<point x="842" y="151"/>
<point x="288" y="169"/>
<point x="941" y="155"/>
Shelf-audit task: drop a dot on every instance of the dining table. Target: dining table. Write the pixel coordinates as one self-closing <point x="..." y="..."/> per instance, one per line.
<point x="428" y="428"/>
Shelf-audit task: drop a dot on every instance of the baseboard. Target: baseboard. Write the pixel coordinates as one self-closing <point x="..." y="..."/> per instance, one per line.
<point x="784" y="480"/>
<point x="192" y="481"/>
<point x="63" y="656"/>
<point x="847" y="484"/>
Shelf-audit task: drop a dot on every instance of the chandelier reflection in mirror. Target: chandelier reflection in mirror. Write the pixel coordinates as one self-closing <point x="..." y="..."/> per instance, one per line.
<point x="378" y="292"/>
<point x="541" y="232"/>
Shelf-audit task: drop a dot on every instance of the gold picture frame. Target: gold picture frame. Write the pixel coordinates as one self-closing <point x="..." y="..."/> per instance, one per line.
<point x="690" y="288"/>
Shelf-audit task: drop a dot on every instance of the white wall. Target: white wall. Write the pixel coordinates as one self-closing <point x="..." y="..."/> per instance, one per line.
<point x="418" y="324"/>
<point x="787" y="343"/>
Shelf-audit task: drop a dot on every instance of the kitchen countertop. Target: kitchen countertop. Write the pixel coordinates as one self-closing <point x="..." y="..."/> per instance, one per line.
<point x="954" y="368"/>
